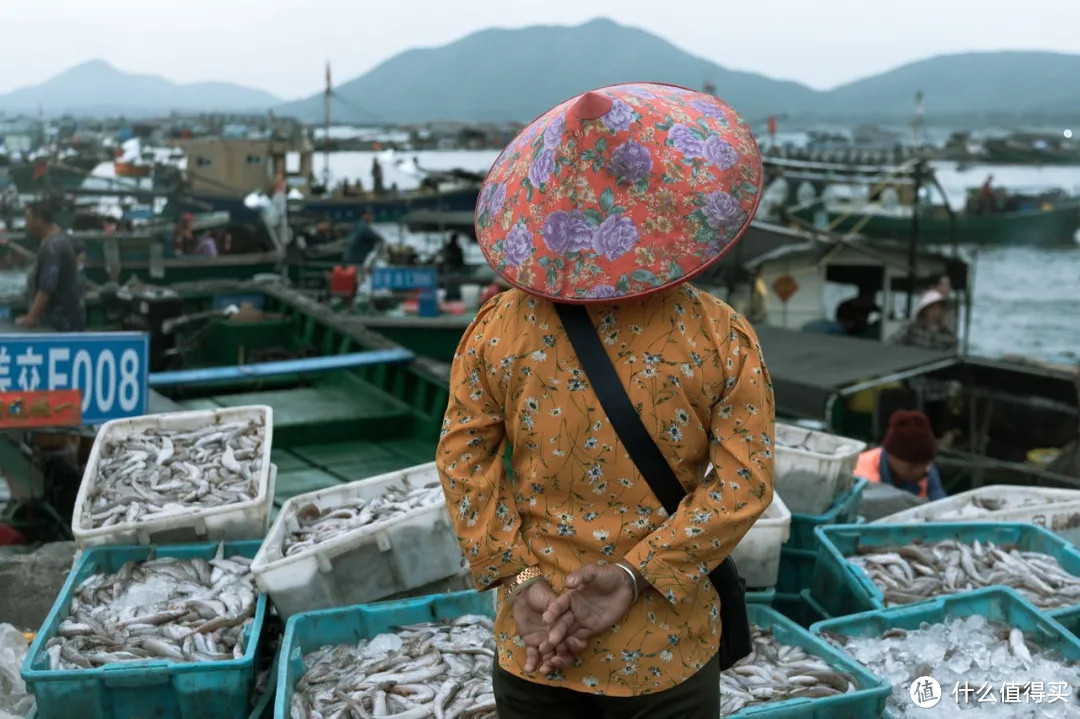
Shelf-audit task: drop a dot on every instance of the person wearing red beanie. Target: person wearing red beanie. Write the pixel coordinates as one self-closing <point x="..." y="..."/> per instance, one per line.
<point x="905" y="458"/>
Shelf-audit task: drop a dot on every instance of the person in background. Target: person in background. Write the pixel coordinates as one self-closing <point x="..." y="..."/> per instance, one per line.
<point x="363" y="241"/>
<point x="574" y="540"/>
<point x="55" y="286"/>
<point x="376" y="176"/>
<point x="854" y="314"/>
<point x="929" y="328"/>
<point x="944" y="286"/>
<point x="223" y="241"/>
<point x="207" y="246"/>
<point x="453" y="255"/>
<point x="184" y="235"/>
<point x="985" y="205"/>
<point x="905" y="458"/>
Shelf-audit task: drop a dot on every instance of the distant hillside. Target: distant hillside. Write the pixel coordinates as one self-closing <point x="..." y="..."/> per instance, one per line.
<point x="969" y="83"/>
<point x="501" y="75"/>
<point x="513" y="75"/>
<point x="98" y="88"/>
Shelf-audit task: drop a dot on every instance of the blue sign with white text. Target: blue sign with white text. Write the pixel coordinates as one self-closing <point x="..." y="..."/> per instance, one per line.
<point x="402" y="278"/>
<point x="109" y="368"/>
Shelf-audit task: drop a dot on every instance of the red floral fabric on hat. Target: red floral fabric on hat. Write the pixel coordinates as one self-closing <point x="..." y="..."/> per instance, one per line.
<point x="619" y="192"/>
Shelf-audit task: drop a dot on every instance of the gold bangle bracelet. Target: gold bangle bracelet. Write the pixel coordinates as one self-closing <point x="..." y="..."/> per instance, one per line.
<point x="519" y="588"/>
<point x="523" y="579"/>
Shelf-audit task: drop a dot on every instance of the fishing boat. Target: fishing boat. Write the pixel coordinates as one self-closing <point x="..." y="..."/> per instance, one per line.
<point x="1051" y="218"/>
<point x="1052" y="224"/>
<point x="146" y="253"/>
<point x="1033" y="148"/>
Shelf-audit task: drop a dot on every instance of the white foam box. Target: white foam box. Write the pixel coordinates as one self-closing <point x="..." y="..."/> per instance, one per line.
<point x="239" y="520"/>
<point x="365" y="564"/>
<point x="758" y="554"/>
<point x="813" y="467"/>
<point x="1057" y="510"/>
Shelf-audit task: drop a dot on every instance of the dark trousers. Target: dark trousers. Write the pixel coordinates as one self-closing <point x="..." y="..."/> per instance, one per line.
<point x="696" y="698"/>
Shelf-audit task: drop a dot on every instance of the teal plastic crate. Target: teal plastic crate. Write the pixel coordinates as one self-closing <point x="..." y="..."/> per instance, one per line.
<point x="844" y="510"/>
<point x="796" y="570"/>
<point x="159" y="689"/>
<point x="800" y="608"/>
<point x="867" y="701"/>
<point x="1069" y="617"/>
<point x="308" y="631"/>
<point x="997" y="604"/>
<point x="761" y="596"/>
<point x="845" y="589"/>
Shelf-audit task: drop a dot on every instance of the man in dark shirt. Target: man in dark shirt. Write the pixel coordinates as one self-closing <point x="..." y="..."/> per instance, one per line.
<point x="363" y="241"/>
<point x="55" y="284"/>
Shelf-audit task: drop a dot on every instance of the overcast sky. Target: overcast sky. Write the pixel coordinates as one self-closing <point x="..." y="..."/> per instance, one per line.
<point x="282" y="45"/>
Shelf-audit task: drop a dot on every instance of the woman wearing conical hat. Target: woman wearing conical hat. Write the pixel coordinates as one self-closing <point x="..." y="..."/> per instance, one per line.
<point x="615" y="200"/>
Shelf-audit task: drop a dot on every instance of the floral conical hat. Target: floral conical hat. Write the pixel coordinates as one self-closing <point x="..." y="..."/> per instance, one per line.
<point x="618" y="193"/>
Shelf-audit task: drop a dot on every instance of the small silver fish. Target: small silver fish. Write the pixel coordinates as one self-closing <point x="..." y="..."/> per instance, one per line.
<point x="314" y="526"/>
<point x="440" y="670"/>
<point x="951" y="566"/>
<point x="156" y="609"/>
<point x="159" y="472"/>
<point x="776" y="672"/>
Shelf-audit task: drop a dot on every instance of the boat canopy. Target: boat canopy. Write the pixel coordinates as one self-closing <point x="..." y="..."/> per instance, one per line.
<point x="808" y="368"/>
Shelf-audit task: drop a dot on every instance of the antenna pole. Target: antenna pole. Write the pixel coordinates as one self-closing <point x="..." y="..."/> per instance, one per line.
<point x="326" y="130"/>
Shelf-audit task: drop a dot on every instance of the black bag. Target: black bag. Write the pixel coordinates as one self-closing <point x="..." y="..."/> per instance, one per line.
<point x="735" y="637"/>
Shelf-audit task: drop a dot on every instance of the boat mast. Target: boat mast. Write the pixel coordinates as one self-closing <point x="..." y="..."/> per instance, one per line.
<point x="917" y="120"/>
<point x="326" y="130"/>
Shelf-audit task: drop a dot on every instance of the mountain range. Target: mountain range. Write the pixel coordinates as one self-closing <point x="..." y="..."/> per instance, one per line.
<point x="96" y="88"/>
<point x="501" y="75"/>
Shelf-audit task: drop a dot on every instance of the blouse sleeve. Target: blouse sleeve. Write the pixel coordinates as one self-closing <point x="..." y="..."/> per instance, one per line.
<point x="713" y="518"/>
<point x="470" y="459"/>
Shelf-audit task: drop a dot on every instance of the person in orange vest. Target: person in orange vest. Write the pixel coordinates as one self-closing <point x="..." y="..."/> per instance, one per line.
<point x="905" y="458"/>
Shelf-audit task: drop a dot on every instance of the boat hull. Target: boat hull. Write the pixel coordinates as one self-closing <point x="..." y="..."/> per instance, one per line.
<point x="350" y="209"/>
<point x="240" y="267"/>
<point x="1055" y="226"/>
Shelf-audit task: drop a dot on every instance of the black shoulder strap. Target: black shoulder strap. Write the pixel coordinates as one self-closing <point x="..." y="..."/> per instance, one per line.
<point x="620" y="411"/>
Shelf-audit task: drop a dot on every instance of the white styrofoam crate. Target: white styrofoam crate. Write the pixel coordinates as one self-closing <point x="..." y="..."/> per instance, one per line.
<point x="1058" y="510"/>
<point x="239" y="520"/>
<point x="758" y="553"/>
<point x="365" y="564"/>
<point x="813" y="467"/>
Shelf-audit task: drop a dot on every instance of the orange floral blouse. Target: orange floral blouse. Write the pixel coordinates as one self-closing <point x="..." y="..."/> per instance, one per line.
<point x="694" y="368"/>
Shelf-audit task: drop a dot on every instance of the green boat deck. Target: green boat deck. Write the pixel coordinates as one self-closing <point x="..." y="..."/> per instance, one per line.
<point x="338" y="430"/>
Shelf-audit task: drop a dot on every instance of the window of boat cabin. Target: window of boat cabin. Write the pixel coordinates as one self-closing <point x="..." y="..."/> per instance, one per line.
<point x="254" y="159"/>
<point x="843" y="282"/>
<point x="203" y="161"/>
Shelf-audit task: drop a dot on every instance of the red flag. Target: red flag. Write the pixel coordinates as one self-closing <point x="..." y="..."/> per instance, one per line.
<point x="772" y="126"/>
<point x="40" y="169"/>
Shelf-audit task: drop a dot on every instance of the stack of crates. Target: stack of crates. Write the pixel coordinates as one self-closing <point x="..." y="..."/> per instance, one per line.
<point x="814" y="474"/>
